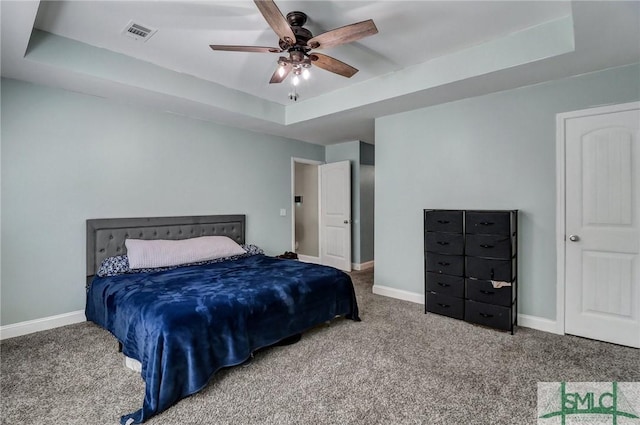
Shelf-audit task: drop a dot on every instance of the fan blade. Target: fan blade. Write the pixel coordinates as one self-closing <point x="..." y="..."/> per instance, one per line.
<point x="343" y="35"/>
<point x="256" y="49"/>
<point x="277" y="77"/>
<point x="276" y="20"/>
<point x="332" y="65"/>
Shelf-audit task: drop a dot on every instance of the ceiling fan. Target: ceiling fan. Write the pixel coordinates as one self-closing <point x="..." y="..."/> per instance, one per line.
<point x="298" y="42"/>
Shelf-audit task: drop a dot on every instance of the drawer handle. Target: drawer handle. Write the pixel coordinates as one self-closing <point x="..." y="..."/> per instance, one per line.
<point x="443" y="263"/>
<point x="442" y="243"/>
<point x="444" y="305"/>
<point x="484" y="245"/>
<point x="485" y="315"/>
<point x="444" y="221"/>
<point x="444" y="285"/>
<point x="487" y="292"/>
<point x="486" y="223"/>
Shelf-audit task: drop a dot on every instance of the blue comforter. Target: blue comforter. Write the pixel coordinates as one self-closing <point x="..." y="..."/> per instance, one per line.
<point x="185" y="324"/>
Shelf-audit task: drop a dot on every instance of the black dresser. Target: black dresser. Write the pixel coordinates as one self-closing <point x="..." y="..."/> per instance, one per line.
<point x="471" y="265"/>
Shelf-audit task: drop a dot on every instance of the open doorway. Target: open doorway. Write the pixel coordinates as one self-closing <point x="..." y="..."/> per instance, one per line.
<point x="305" y="209"/>
<point x="321" y="212"/>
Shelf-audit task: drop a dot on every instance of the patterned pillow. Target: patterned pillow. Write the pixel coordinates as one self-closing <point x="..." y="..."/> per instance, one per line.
<point x="114" y="266"/>
<point x="252" y="249"/>
<point x="119" y="264"/>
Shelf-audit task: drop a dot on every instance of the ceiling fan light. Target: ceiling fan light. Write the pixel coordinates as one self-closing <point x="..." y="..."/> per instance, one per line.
<point x="306" y="74"/>
<point x="281" y="71"/>
<point x="296" y="80"/>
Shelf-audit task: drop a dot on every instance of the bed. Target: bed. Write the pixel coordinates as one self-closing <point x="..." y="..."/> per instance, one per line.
<point x="185" y="323"/>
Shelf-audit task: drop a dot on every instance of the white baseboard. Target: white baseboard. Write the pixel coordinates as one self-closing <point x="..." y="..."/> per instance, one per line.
<point x="37" y="325"/>
<point x="362" y="266"/>
<point x="538" y="323"/>
<point x="398" y="293"/>
<point x="31" y="326"/>
<point x="524" y="320"/>
<point x="354" y="266"/>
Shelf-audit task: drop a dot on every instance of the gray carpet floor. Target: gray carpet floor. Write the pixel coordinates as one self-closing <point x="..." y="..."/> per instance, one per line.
<point x="397" y="366"/>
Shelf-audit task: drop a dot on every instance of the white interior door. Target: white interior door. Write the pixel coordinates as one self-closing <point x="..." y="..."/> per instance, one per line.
<point x="335" y="215"/>
<point x="602" y="284"/>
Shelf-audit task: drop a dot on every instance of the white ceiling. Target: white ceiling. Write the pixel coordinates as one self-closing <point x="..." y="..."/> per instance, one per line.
<point x="426" y="52"/>
<point x="408" y="35"/>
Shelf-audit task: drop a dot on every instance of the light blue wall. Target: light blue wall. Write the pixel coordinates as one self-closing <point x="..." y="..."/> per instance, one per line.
<point x="491" y="152"/>
<point x="67" y="157"/>
<point x="367" y="190"/>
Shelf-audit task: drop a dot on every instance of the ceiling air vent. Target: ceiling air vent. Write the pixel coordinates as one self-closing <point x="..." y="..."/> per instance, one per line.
<point x="138" y="32"/>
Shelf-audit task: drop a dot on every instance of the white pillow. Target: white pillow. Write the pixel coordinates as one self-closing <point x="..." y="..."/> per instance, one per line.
<point x="145" y="254"/>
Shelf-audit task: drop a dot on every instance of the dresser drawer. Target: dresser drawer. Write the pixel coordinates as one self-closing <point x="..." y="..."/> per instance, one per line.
<point x="488" y="315"/>
<point x="489" y="223"/>
<point x="490" y="246"/>
<point x="483" y="291"/>
<point x="445" y="305"/>
<point x="443" y="221"/>
<point x="447" y="264"/>
<point x="444" y="243"/>
<point x="489" y="269"/>
<point x="445" y="284"/>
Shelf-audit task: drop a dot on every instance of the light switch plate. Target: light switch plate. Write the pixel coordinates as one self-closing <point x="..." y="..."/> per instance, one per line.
<point x="283" y="212"/>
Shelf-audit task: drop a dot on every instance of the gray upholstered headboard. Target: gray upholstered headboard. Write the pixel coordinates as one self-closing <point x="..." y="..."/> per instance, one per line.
<point x="106" y="236"/>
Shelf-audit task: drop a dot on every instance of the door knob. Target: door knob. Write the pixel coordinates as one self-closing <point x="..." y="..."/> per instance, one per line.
<point x="346" y="222"/>
<point x="574" y="238"/>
